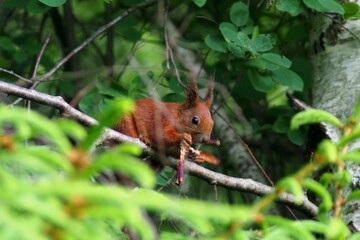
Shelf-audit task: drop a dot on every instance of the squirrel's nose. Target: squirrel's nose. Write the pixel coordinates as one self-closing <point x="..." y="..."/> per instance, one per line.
<point x="205" y="139"/>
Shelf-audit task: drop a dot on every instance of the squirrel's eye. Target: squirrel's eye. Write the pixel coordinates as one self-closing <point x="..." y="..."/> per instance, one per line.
<point x="195" y="120"/>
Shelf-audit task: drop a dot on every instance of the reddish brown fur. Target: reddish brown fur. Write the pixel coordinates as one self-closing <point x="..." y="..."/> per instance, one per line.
<point x="163" y="125"/>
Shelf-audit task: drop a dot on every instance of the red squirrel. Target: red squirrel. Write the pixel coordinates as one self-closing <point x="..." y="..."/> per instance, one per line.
<point x="173" y="127"/>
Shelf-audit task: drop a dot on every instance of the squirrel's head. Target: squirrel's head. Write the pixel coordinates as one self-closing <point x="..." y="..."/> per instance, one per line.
<point x="195" y="114"/>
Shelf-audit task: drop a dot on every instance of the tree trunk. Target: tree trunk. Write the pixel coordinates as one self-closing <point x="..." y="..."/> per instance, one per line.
<point x="336" y="87"/>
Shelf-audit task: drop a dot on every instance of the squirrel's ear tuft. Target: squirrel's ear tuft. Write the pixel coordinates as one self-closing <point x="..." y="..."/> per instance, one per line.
<point x="209" y="95"/>
<point x="192" y="95"/>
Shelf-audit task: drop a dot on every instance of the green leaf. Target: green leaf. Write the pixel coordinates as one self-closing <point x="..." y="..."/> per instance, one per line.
<point x="276" y="59"/>
<point x="281" y="125"/>
<point x="337" y="229"/>
<point x="290" y="184"/>
<point x="354" y="195"/>
<point x="353" y="136"/>
<point x="53" y="3"/>
<point x="326" y="200"/>
<point x="353" y="156"/>
<point x="326" y="179"/>
<point x="293" y="7"/>
<point x="239" y="14"/>
<point x="262" y="43"/>
<point x="174" y="85"/>
<point x="261" y="64"/>
<point x="290" y="229"/>
<point x="71" y="128"/>
<point x="314" y="116"/>
<point x="51" y="158"/>
<point x="236" y="50"/>
<point x="350" y="9"/>
<point x="216" y="43"/>
<point x="354" y="236"/>
<point x="262" y="83"/>
<point x="165" y="235"/>
<point x="199" y="3"/>
<point x="36" y="7"/>
<point x="286" y="77"/>
<point x="296" y="136"/>
<point x="314" y="226"/>
<point x="120" y="159"/>
<point x="115" y="110"/>
<point x="327" y="150"/>
<point x="7" y="44"/>
<point x="356" y="113"/>
<point x="244" y="41"/>
<point x="342" y="178"/>
<point x="228" y="31"/>
<point x="325" y="6"/>
<point x="89" y="103"/>
<point x="112" y="91"/>
<point x="37" y="125"/>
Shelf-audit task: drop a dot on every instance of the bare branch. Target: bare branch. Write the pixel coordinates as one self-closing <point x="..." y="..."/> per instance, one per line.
<point x="59" y="103"/>
<point x="239" y="184"/>
<point x="40" y="56"/>
<point x="245" y="185"/>
<point x="15" y="75"/>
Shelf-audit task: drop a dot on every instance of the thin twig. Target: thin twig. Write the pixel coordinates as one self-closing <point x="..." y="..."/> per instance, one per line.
<point x="92" y="37"/>
<point x="216" y="193"/>
<point x="16" y="75"/>
<point x="169" y="51"/>
<point x="38" y="59"/>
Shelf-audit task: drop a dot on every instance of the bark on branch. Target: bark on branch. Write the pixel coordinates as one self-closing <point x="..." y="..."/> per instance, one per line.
<point x="239" y="184"/>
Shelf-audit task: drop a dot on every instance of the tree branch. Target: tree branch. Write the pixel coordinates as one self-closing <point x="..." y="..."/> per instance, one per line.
<point x="59" y="103"/>
<point x="239" y="184"/>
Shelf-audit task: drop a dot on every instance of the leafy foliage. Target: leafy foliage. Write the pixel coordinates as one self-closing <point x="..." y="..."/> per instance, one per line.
<point x="48" y="190"/>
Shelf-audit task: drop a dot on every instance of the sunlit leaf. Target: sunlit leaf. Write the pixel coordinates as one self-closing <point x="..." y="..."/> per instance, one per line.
<point x="38" y="125"/>
<point x="354" y="195"/>
<point x="353" y="156"/>
<point x="314" y="116"/>
<point x="322" y="193"/>
<point x="291" y="185"/>
<point x="327" y="150"/>
<point x="292" y="229"/>
<point x="71" y="128"/>
<point x="120" y="160"/>
<point x="337" y="229"/>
